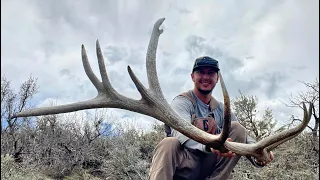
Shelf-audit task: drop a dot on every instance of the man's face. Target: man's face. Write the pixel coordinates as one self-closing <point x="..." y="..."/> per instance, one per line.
<point x="205" y="79"/>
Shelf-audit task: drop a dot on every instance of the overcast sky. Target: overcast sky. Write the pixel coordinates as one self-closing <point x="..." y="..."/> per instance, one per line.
<point x="264" y="47"/>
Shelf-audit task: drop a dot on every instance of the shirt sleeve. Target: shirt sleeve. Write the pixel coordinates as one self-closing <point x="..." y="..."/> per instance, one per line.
<point x="184" y="108"/>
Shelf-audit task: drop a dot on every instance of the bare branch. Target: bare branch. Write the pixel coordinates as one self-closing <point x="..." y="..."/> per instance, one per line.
<point x="300" y="121"/>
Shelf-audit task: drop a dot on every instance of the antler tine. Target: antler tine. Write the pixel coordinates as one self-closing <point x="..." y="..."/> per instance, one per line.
<point x="260" y="149"/>
<point x="153" y="81"/>
<point x="291" y="133"/>
<point x="90" y="104"/>
<point x="285" y="135"/>
<point x="104" y="76"/>
<point x="142" y="90"/>
<point x="87" y="68"/>
<point x="222" y="137"/>
<point x="227" y="111"/>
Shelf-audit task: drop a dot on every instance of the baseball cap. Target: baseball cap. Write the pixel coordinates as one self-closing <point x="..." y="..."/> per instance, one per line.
<point x="206" y="61"/>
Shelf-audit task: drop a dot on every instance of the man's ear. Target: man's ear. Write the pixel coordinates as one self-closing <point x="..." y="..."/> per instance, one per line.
<point x="192" y="77"/>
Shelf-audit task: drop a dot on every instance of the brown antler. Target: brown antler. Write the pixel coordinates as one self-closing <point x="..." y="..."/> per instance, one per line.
<point x="154" y="104"/>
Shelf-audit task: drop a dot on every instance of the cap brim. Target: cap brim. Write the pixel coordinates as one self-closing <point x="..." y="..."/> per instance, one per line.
<point x="209" y="66"/>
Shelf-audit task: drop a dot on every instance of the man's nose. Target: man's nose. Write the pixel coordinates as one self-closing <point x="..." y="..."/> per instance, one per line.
<point x="206" y="75"/>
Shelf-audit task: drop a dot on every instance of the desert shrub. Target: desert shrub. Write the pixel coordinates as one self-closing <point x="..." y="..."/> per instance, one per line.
<point x="11" y="170"/>
<point x="294" y="159"/>
<point x="125" y="158"/>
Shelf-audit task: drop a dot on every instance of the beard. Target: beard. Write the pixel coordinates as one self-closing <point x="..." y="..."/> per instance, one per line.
<point x="205" y="92"/>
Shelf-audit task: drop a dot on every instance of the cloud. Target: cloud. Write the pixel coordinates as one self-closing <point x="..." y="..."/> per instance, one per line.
<point x="65" y="72"/>
<point x="264" y="47"/>
<point x="198" y="46"/>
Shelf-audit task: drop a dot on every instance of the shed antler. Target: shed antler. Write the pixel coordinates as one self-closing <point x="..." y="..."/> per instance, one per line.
<point x="154" y="104"/>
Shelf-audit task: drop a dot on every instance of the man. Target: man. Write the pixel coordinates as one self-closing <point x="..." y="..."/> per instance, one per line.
<point x="179" y="157"/>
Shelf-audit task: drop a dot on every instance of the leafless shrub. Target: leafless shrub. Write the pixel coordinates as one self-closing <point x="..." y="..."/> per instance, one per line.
<point x="310" y="95"/>
<point x="125" y="158"/>
<point x="293" y="160"/>
<point x="12" y="140"/>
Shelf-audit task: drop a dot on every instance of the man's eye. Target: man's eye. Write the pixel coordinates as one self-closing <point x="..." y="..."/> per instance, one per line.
<point x="208" y="72"/>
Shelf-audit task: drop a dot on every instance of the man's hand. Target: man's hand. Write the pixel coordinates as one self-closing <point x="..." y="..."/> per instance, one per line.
<point x="263" y="163"/>
<point x="227" y="154"/>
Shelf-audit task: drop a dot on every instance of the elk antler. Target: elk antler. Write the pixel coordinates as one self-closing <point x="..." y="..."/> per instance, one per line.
<point x="153" y="103"/>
